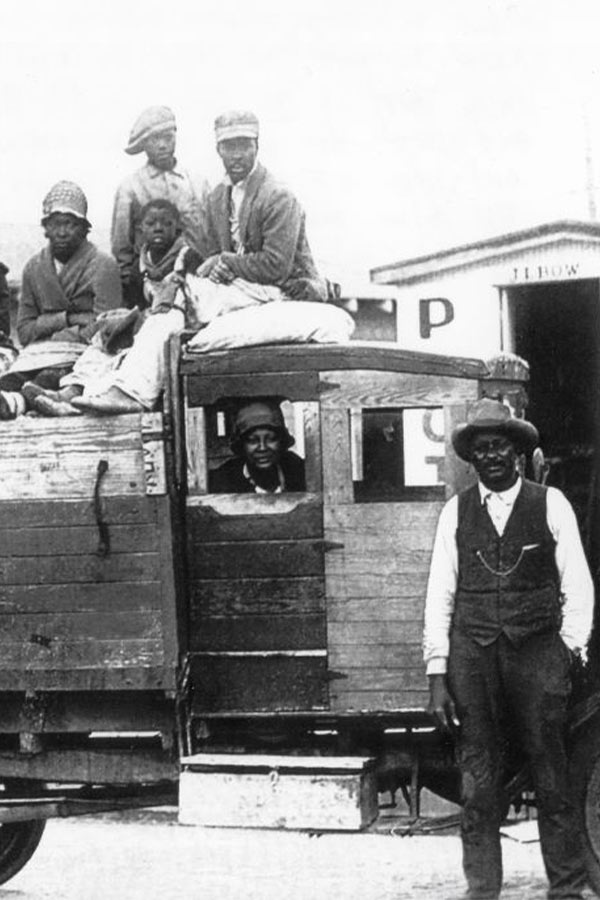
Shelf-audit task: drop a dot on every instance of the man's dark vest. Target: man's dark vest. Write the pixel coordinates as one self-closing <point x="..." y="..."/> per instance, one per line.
<point x="507" y="584"/>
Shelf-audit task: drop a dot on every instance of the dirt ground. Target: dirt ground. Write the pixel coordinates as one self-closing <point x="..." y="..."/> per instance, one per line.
<point x="145" y="856"/>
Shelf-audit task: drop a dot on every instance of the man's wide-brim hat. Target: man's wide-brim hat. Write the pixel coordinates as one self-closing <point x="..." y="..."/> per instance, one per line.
<point x="65" y="197"/>
<point x="153" y="120"/>
<point x="259" y="414"/>
<point x="493" y="416"/>
<point x="235" y="124"/>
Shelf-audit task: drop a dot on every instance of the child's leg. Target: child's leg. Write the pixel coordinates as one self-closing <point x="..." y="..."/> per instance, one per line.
<point x="141" y="375"/>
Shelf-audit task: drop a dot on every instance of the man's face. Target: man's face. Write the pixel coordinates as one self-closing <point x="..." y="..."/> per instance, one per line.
<point x="160" y="149"/>
<point x="239" y="156"/>
<point x="494" y="457"/>
<point x="262" y="447"/>
<point x="159" y="229"/>
<point x="65" y="234"/>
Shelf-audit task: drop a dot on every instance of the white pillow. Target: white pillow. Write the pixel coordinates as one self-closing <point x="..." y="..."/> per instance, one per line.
<point x="279" y="322"/>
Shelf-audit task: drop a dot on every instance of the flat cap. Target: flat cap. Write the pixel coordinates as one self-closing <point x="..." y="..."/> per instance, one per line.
<point x="235" y="124"/>
<point x="153" y="120"/>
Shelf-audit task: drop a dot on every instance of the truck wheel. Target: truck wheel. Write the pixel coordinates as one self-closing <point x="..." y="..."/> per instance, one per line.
<point x="18" y="842"/>
<point x="591" y="824"/>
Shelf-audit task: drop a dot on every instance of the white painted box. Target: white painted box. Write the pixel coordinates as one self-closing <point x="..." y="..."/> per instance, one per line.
<point x="315" y="793"/>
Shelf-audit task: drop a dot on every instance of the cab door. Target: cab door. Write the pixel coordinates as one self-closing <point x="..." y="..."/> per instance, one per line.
<point x="388" y="467"/>
<point x="255" y="562"/>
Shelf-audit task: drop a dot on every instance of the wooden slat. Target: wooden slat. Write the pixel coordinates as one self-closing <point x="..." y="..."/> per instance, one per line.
<point x="81" y="766"/>
<point x="57" y="598"/>
<point x="380" y="680"/>
<point x="458" y="474"/>
<point x="52" y="628"/>
<point x="291" y="385"/>
<point x="252" y="684"/>
<point x="253" y="559"/>
<point x="266" y="632"/>
<point x="369" y="389"/>
<point x="398" y="655"/>
<point x="74" y="654"/>
<point x="74" y="569"/>
<point x="384" y="584"/>
<point x="96" y="677"/>
<point x="312" y="444"/>
<point x="381" y="632"/>
<point x="172" y="628"/>
<point x="337" y="466"/>
<point x="195" y="449"/>
<point x="50" y="458"/>
<point x="378" y="701"/>
<point x="309" y="357"/>
<point x="71" y="513"/>
<point x="153" y="450"/>
<point x="263" y="517"/>
<point x="83" y="712"/>
<point x="77" y="540"/>
<point x="257" y="596"/>
<point x="365" y="609"/>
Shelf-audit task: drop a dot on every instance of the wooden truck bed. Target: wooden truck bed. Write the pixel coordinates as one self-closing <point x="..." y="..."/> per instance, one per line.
<point x="87" y="598"/>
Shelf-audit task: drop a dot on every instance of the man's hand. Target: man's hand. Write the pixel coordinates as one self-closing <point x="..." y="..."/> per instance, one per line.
<point x="441" y="705"/>
<point x="78" y="318"/>
<point x="221" y="273"/>
<point x="207" y="266"/>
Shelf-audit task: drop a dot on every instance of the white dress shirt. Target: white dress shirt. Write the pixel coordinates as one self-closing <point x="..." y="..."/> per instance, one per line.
<point x="576" y="585"/>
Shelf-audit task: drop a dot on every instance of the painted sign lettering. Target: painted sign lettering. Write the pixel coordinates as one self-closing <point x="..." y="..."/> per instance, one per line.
<point x="428" y="320"/>
<point x="551" y="272"/>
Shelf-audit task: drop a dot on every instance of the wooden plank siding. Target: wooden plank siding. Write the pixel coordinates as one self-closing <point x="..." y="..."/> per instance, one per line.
<point x="257" y="602"/>
<point x="71" y="619"/>
<point x="376" y="581"/>
<point x="41" y="461"/>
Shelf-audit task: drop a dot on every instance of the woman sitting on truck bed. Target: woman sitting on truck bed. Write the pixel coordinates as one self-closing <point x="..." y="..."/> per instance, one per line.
<point x="263" y="462"/>
<point x="65" y="288"/>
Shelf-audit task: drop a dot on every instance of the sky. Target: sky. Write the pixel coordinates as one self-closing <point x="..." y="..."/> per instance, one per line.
<point x="403" y="127"/>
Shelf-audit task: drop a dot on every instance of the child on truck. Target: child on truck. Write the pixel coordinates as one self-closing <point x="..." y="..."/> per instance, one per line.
<point x="163" y="245"/>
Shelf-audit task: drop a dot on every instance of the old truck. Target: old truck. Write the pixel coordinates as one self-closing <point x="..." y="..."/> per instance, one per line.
<point x="153" y="633"/>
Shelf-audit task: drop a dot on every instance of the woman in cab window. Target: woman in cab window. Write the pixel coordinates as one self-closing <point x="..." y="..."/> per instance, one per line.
<point x="263" y="462"/>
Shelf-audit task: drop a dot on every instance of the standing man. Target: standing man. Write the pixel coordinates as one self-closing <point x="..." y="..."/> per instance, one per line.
<point x="509" y="604"/>
<point x="254" y="246"/>
<point x="153" y="133"/>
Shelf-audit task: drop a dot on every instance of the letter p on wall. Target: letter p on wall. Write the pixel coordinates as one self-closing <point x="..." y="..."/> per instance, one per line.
<point x="433" y="313"/>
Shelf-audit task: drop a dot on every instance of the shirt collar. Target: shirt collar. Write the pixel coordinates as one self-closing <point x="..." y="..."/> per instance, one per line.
<point x="509" y="496"/>
<point x="154" y="171"/>
<point x="258" y="489"/>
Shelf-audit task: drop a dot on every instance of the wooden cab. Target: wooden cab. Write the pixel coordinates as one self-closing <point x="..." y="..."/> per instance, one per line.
<point x="312" y="603"/>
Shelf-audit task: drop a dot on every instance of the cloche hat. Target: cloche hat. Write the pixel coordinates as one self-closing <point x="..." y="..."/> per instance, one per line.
<point x="65" y="197"/>
<point x="259" y="414"/>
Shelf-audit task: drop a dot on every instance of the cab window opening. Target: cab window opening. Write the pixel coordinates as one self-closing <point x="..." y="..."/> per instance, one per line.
<point x="256" y="445"/>
<point x="397" y="453"/>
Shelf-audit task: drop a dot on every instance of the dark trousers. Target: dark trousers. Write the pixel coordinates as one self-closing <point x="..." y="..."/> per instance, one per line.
<point x="505" y="694"/>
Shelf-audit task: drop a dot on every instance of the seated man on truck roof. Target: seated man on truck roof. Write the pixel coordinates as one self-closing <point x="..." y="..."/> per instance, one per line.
<point x="64" y="289"/>
<point x="255" y="251"/>
<point x="263" y="462"/>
